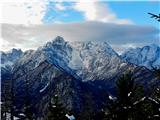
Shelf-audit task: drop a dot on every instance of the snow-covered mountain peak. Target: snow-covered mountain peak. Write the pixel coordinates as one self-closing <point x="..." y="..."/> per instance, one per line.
<point x="94" y="47"/>
<point x="80" y="57"/>
<point x="8" y="58"/>
<point x="58" y="50"/>
<point x="148" y="56"/>
<point x="14" y="51"/>
<point x="89" y="58"/>
<point x="57" y="41"/>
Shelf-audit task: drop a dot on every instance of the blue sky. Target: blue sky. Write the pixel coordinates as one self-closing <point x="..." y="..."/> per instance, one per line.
<point x="68" y="15"/>
<point x="122" y="24"/>
<point x="134" y="11"/>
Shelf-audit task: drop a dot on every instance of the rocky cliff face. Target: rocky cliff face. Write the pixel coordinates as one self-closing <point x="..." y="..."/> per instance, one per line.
<point x="7" y="61"/>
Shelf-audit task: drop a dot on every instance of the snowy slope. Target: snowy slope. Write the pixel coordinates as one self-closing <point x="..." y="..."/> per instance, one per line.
<point x="94" y="60"/>
<point x="90" y="60"/>
<point x="147" y="56"/>
<point x="57" y="52"/>
<point x="84" y="54"/>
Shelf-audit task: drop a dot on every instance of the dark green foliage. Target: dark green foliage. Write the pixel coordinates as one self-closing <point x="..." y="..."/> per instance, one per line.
<point x="27" y="103"/>
<point x="146" y="110"/>
<point x="56" y="111"/>
<point x="127" y="90"/>
<point x="156" y="102"/>
<point x="27" y="110"/>
<point x="157" y="17"/>
<point x="87" y="112"/>
<point x="130" y="102"/>
<point x="6" y="99"/>
<point x="101" y="115"/>
<point x="157" y="94"/>
<point x="128" y="93"/>
<point x="156" y="71"/>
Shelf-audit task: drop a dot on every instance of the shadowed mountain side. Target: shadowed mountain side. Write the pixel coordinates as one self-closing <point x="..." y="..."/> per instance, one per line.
<point x="46" y="80"/>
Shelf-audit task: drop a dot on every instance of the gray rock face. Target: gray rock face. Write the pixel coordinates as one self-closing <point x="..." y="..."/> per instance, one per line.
<point x="92" y="59"/>
<point x="7" y="61"/>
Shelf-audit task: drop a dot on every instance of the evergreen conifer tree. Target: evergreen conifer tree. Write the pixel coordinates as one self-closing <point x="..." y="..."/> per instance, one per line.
<point x="56" y="111"/>
<point x="27" y="105"/>
<point x="123" y="105"/>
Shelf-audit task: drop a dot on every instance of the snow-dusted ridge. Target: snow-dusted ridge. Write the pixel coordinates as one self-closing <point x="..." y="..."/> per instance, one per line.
<point x="78" y="58"/>
<point x="148" y="56"/>
<point x="89" y="60"/>
<point x="10" y="57"/>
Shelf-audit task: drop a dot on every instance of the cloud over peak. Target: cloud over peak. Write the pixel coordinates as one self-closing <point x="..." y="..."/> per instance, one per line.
<point x="119" y="36"/>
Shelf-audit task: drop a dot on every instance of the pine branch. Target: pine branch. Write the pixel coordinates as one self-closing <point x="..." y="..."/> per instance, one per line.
<point x="157" y="17"/>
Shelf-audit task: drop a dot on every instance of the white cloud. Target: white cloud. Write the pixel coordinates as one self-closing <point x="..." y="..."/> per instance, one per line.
<point x="28" y="12"/>
<point x="98" y="11"/>
<point x="34" y="11"/>
<point x="120" y="37"/>
<point x="60" y="6"/>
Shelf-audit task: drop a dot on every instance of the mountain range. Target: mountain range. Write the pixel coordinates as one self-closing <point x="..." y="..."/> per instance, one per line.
<point x="148" y="56"/>
<point x="77" y="72"/>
